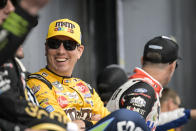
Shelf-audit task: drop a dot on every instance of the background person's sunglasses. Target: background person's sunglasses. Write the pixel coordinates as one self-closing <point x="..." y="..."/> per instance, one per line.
<point x="68" y="44"/>
<point x="3" y="3"/>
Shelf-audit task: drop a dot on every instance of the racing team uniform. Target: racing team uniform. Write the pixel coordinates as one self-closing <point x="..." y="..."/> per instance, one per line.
<point x="16" y="113"/>
<point x="67" y="95"/>
<point x="173" y="119"/>
<point x="141" y="94"/>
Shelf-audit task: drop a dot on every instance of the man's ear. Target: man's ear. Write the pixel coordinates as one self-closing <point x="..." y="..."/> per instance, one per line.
<point x="80" y="50"/>
<point x="142" y="61"/>
<point x="173" y="66"/>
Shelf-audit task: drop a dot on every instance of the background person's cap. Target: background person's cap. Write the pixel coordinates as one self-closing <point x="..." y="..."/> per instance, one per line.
<point x="112" y="77"/>
<point x="161" y="49"/>
<point x="65" y="27"/>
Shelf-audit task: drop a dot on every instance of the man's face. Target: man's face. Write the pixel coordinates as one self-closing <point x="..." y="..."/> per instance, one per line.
<point x="174" y="104"/>
<point x="4" y="12"/>
<point x="62" y="61"/>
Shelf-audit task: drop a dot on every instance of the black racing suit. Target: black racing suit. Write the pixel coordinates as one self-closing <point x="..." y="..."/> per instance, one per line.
<point x="16" y="113"/>
<point x="141" y="94"/>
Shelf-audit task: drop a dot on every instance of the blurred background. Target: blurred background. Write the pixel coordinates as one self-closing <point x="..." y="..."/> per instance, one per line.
<point x="115" y="32"/>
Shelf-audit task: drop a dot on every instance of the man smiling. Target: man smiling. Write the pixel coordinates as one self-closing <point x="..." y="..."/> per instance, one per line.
<point x="54" y="87"/>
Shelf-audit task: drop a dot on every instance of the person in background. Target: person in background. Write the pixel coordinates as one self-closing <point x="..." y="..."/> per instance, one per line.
<point x="112" y="77"/>
<point x="142" y="91"/>
<point x="17" y="18"/>
<point x="172" y="115"/>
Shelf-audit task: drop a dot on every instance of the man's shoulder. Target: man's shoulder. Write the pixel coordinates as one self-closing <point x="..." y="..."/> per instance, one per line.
<point x="136" y="83"/>
<point x="142" y="84"/>
<point x="42" y="72"/>
<point x="137" y="86"/>
<point x="41" y="76"/>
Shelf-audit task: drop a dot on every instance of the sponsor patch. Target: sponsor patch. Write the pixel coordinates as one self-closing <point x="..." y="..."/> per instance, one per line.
<point x="150" y="124"/>
<point x="138" y="101"/>
<point x="40" y="94"/>
<point x="141" y="111"/>
<point x="89" y="102"/>
<point x="142" y="94"/>
<point x="9" y="65"/>
<point x="62" y="101"/>
<point x="88" y="95"/>
<point x="66" y="81"/>
<point x="49" y="108"/>
<point x="58" y="85"/>
<point x="84" y="114"/>
<point x="45" y="101"/>
<point x="44" y="74"/>
<point x="70" y="95"/>
<point x="140" y="90"/>
<point x="75" y="80"/>
<point x="82" y="87"/>
<point x="35" y="89"/>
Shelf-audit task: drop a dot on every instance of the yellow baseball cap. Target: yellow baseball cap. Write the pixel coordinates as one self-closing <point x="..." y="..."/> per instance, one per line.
<point x="65" y="27"/>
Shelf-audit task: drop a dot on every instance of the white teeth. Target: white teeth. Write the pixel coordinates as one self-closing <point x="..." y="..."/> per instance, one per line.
<point x="61" y="60"/>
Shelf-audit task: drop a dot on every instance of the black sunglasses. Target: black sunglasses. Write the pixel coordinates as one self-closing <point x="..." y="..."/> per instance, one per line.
<point x="3" y="3"/>
<point x="68" y="44"/>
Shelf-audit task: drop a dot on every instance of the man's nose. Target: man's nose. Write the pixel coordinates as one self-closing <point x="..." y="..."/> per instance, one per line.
<point x="9" y="7"/>
<point x="61" y="49"/>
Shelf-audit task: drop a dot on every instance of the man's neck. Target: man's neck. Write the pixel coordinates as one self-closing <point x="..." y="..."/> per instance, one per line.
<point x="156" y="73"/>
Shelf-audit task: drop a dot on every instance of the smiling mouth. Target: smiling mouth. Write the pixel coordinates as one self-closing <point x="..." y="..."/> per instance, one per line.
<point x="61" y="59"/>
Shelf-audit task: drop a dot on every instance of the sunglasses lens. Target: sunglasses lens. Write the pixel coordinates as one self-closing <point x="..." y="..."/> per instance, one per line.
<point x="15" y="2"/>
<point x="3" y="3"/>
<point x="53" y="43"/>
<point x="69" y="45"/>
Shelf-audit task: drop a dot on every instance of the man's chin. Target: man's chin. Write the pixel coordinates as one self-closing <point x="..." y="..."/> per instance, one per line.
<point x="63" y="72"/>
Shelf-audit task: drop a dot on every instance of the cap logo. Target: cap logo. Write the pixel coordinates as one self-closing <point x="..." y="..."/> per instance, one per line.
<point x="156" y="47"/>
<point x="64" y="26"/>
<point x="165" y="37"/>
